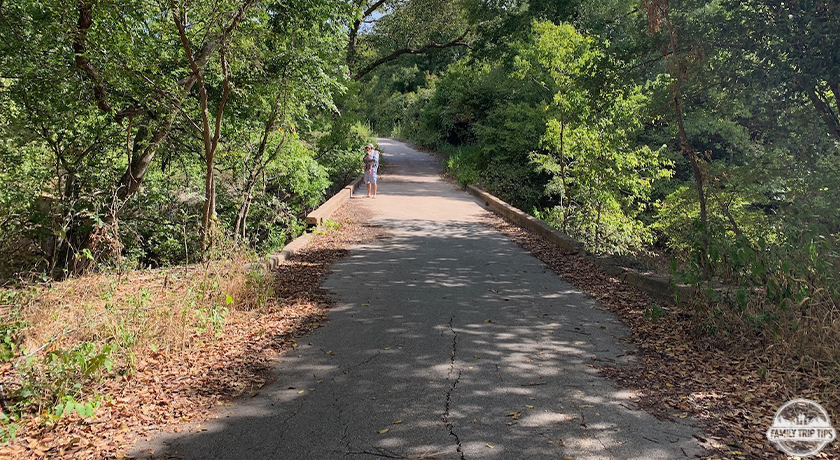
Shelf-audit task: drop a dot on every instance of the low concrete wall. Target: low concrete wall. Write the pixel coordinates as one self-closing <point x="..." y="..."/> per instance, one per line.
<point x="273" y="261"/>
<point x="527" y="221"/>
<point x="318" y="216"/>
<point x="658" y="286"/>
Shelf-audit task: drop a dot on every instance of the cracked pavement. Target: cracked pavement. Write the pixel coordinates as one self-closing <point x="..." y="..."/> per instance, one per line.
<point x="448" y="341"/>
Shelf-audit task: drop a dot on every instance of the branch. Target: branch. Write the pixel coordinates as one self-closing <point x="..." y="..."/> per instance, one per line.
<point x="210" y="46"/>
<point x="825" y="111"/>
<point x="835" y="88"/>
<point x="663" y="55"/>
<point x="396" y="54"/>
<point x="133" y="176"/>
<point x="225" y="95"/>
<point x="372" y="9"/>
<point x="82" y="62"/>
<point x="353" y="36"/>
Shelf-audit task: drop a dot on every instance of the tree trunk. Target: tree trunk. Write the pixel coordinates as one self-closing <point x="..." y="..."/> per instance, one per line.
<point x="564" y="199"/>
<point x="678" y="72"/>
<point x="823" y="107"/>
<point x="209" y="138"/>
<point x="241" y="215"/>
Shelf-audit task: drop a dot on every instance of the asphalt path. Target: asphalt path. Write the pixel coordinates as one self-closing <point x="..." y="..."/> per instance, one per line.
<point x="448" y="341"/>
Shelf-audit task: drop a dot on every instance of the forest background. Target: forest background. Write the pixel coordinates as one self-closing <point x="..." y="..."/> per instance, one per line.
<point x="699" y="138"/>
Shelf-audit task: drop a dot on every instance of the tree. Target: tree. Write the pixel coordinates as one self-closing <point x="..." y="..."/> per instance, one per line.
<point x="602" y="176"/>
<point x="658" y="16"/>
<point x="99" y="93"/>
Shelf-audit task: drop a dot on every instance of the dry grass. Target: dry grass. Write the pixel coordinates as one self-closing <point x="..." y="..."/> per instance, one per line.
<point x="165" y="310"/>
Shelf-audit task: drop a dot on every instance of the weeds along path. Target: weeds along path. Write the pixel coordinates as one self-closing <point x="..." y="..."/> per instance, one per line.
<point x="183" y="371"/>
<point x="447" y="340"/>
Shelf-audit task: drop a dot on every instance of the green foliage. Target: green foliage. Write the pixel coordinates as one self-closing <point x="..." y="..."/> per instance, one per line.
<point x="601" y="175"/>
<point x="654" y="312"/>
<point x="574" y="118"/>
<point x="55" y="385"/>
<point x="213" y="318"/>
<point x="10" y="339"/>
<point x="464" y="163"/>
<point x="73" y="126"/>
<point x="340" y="151"/>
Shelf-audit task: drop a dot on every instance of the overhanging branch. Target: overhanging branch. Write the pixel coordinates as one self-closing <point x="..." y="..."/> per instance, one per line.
<point x="396" y="54"/>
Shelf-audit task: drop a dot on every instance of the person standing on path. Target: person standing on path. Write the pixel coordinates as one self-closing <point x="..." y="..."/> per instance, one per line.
<point x="371" y="161"/>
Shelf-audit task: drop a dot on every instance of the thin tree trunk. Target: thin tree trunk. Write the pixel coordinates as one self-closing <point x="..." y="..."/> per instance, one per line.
<point x="564" y="201"/>
<point x="678" y="72"/>
<point x="209" y="138"/>
<point x="598" y="227"/>
<point x="824" y="109"/>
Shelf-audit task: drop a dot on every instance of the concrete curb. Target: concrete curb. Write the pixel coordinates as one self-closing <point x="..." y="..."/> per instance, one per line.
<point x="658" y="286"/>
<point x="318" y="216"/>
<point x="315" y="217"/>
<point x="270" y="263"/>
<point x="527" y="221"/>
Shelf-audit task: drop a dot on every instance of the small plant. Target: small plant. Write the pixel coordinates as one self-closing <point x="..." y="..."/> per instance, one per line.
<point x="330" y="224"/>
<point x="54" y="385"/>
<point x="11" y="326"/>
<point x="654" y="312"/>
<point x="213" y="318"/>
<point x="259" y="284"/>
<point x="9" y="337"/>
<point x="8" y="427"/>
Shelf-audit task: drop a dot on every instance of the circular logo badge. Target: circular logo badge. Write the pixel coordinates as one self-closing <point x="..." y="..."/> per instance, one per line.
<point x="801" y="428"/>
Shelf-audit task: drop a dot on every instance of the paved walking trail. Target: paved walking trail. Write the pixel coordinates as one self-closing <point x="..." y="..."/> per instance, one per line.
<point x="449" y="341"/>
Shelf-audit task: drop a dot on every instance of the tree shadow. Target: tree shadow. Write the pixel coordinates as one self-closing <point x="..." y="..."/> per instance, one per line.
<point x="447" y="342"/>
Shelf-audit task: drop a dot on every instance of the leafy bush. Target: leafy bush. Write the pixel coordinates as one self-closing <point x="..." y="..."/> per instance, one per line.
<point x="464" y="163"/>
<point x="55" y="385"/>
<point x="340" y="152"/>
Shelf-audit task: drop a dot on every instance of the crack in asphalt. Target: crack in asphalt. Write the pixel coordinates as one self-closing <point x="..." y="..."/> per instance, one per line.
<point x="349" y="368"/>
<point x="449" y="425"/>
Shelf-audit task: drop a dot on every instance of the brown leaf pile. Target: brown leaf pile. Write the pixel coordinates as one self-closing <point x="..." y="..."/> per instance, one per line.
<point x="732" y="390"/>
<point x="168" y="391"/>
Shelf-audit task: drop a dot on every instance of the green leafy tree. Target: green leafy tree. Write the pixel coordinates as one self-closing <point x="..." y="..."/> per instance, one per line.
<point x="601" y="175"/>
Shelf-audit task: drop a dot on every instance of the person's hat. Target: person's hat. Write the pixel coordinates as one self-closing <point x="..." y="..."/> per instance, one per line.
<point x="369" y="146"/>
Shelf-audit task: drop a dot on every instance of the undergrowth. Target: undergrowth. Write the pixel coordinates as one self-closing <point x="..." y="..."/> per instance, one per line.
<point x="781" y="298"/>
<point x="59" y="340"/>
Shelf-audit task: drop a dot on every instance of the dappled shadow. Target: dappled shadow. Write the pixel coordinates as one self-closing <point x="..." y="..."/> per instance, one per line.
<point x="446" y="342"/>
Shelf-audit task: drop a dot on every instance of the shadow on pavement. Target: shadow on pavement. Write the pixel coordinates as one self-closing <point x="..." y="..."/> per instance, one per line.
<point x="448" y="342"/>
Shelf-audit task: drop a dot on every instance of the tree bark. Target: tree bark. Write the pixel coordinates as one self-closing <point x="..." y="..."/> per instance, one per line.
<point x="829" y="116"/>
<point x="209" y="138"/>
